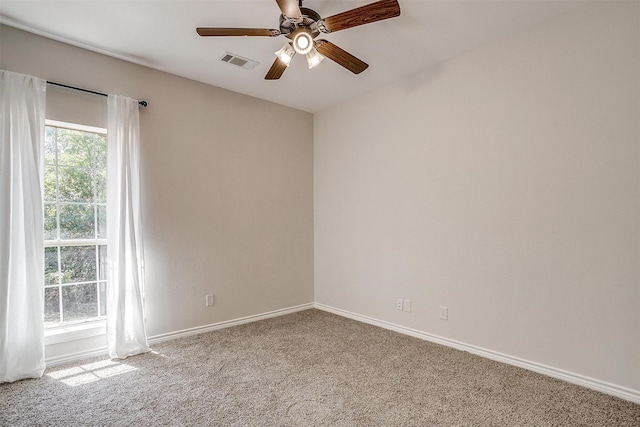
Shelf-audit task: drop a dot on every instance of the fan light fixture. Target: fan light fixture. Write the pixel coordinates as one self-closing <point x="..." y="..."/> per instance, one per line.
<point x="314" y="58"/>
<point x="302" y="42"/>
<point x="286" y="54"/>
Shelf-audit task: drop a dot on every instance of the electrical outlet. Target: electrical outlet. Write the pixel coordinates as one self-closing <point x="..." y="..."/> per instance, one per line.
<point x="407" y="305"/>
<point x="399" y="304"/>
<point x="208" y="300"/>
<point x="444" y="312"/>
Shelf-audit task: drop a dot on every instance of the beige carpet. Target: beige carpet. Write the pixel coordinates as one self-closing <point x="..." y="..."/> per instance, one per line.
<point x="307" y="368"/>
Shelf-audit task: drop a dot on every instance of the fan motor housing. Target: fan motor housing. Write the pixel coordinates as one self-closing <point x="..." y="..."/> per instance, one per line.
<point x="309" y="19"/>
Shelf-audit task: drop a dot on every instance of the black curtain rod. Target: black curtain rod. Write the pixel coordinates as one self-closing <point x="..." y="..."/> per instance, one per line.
<point x="141" y="103"/>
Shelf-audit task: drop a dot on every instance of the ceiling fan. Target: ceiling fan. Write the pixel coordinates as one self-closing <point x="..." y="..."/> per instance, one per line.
<point x="302" y="25"/>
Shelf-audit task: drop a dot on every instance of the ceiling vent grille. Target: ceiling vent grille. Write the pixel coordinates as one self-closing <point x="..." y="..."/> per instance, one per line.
<point x="239" y="61"/>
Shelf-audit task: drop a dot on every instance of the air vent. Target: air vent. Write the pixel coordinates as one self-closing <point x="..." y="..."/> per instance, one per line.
<point x="232" y="58"/>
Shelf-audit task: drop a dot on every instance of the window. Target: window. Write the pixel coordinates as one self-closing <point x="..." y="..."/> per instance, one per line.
<point x="75" y="244"/>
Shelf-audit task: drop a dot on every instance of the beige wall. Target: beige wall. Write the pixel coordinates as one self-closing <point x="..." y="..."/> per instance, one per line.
<point x="505" y="185"/>
<point x="227" y="192"/>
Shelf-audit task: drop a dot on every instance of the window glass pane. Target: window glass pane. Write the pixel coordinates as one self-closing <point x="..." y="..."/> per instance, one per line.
<point x="76" y="222"/>
<point x="102" y="286"/>
<point x="50" y="266"/>
<point x="49" y="145"/>
<point x="102" y="262"/>
<point x="79" y="302"/>
<point x="75" y="148"/>
<point x="101" y="186"/>
<point x="51" y="306"/>
<point x="102" y="222"/>
<point x="100" y="150"/>
<point x="50" y="183"/>
<point x="78" y="263"/>
<point x="49" y="222"/>
<point x="75" y="184"/>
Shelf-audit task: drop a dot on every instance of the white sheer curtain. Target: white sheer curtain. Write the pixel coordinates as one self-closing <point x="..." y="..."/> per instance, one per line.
<point x="22" y="103"/>
<point x="126" y="333"/>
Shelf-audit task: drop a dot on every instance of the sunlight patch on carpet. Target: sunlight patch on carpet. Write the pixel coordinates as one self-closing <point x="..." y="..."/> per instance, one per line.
<point x="91" y="372"/>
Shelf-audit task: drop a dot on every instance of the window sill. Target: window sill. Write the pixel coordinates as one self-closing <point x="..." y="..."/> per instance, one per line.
<point x="74" y="332"/>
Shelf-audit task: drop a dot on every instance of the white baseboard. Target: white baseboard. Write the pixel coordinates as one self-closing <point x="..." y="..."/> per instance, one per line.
<point x="228" y="323"/>
<point x="581" y="380"/>
<point x="103" y="351"/>
<point x="594" y="384"/>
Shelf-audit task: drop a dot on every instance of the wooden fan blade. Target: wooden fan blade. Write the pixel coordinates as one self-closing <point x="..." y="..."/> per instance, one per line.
<point x="383" y="9"/>
<point x="290" y="8"/>
<point x="276" y="70"/>
<point x="222" y="32"/>
<point x="341" y="56"/>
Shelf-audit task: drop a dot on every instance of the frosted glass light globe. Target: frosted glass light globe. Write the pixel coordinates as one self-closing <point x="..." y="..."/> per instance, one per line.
<point x="302" y="42"/>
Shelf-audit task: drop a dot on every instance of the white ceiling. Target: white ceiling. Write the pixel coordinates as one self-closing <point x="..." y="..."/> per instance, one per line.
<point x="161" y="35"/>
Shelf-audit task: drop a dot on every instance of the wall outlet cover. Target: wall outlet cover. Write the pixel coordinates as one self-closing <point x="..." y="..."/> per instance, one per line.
<point x="209" y="300"/>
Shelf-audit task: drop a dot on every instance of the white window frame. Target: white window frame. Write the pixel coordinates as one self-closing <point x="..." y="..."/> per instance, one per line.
<point x="70" y="331"/>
